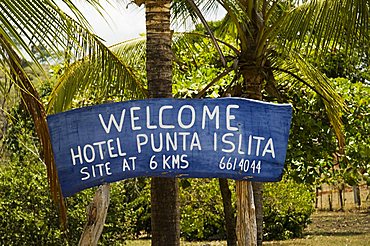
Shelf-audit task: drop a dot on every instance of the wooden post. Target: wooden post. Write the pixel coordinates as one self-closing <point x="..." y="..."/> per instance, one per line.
<point x="246" y="226"/>
<point x="96" y="214"/>
<point x="340" y="197"/>
<point x="330" y="199"/>
<point x="357" y="196"/>
<point x="321" y="196"/>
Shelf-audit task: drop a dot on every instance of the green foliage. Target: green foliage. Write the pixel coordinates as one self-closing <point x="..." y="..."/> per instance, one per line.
<point x="339" y="64"/>
<point x="312" y="156"/>
<point x="312" y="141"/>
<point x="26" y="212"/>
<point x="201" y="210"/>
<point x="197" y="64"/>
<point x="287" y="209"/>
<point x="129" y="211"/>
<point x="20" y="139"/>
<point x="28" y="216"/>
<point x="356" y="166"/>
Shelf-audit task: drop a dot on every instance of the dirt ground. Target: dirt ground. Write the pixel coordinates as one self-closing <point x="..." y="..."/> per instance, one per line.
<point x="348" y="228"/>
<point x="339" y="223"/>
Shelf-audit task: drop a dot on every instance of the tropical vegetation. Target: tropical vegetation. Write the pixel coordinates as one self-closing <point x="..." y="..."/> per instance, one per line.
<point x="302" y="52"/>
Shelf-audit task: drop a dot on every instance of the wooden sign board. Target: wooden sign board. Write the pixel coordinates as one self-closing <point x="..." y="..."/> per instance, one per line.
<point x="221" y="138"/>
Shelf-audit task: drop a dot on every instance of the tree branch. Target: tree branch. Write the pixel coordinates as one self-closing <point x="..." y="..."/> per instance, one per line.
<point x="220" y="76"/>
<point x="204" y="22"/>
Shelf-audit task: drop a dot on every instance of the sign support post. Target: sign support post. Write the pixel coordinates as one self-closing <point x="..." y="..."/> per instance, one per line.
<point x="246" y="226"/>
<point x="96" y="215"/>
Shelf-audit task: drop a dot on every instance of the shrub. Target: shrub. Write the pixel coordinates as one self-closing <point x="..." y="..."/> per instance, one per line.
<point x="201" y="208"/>
<point x="28" y="216"/>
<point x="129" y="211"/>
<point x="287" y="208"/>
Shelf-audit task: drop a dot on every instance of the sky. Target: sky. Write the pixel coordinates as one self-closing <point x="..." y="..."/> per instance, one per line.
<point x="125" y="21"/>
<point x="122" y="22"/>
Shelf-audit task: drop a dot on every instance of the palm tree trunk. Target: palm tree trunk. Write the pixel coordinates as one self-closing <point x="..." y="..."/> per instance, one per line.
<point x="228" y="212"/>
<point x="253" y="79"/>
<point x="158" y="48"/>
<point x="251" y="66"/>
<point x="165" y="215"/>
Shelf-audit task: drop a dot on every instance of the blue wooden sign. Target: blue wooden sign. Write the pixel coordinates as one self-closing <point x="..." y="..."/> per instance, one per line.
<point x="222" y="138"/>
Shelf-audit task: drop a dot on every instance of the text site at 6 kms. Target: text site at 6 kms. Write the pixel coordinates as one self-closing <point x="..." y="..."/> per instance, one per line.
<point x="172" y="131"/>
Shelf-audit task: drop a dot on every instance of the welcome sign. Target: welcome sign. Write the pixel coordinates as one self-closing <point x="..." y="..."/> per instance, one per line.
<point x="221" y="138"/>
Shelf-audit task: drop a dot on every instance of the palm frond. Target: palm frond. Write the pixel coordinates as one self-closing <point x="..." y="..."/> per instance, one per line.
<point x="321" y="25"/>
<point x="27" y="24"/>
<point x="35" y="25"/>
<point x="298" y="68"/>
<point x="209" y="31"/>
<point x="226" y="29"/>
<point x="96" y="4"/>
<point x="107" y="74"/>
<point x="32" y="101"/>
<point x="122" y="78"/>
<point x="240" y="18"/>
<point x="183" y="11"/>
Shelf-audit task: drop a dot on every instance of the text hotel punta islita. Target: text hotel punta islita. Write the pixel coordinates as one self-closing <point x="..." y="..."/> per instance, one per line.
<point x="172" y="137"/>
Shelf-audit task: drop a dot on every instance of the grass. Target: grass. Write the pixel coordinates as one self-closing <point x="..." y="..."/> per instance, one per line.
<point x="147" y="243"/>
<point x="350" y="228"/>
<point x="353" y="240"/>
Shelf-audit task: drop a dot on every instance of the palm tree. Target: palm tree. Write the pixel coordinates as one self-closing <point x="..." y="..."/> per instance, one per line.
<point x="273" y="38"/>
<point x="165" y="214"/>
<point x="42" y="25"/>
<point x="78" y="79"/>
